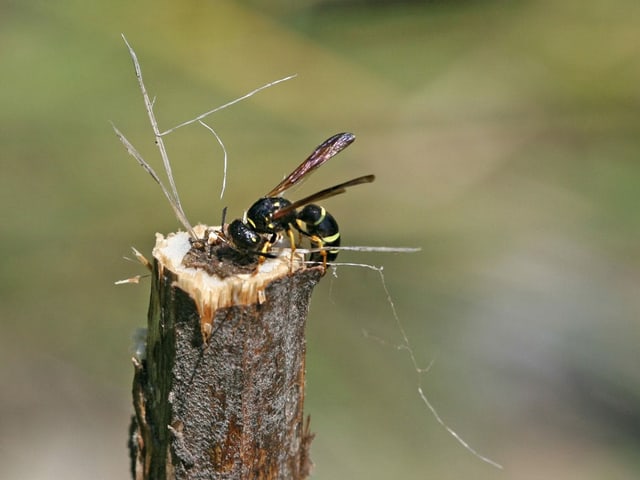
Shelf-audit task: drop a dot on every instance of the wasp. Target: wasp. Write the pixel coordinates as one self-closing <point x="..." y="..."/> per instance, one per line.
<point x="272" y="215"/>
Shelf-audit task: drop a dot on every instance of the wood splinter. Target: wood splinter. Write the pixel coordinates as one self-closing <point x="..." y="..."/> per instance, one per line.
<point x="220" y="391"/>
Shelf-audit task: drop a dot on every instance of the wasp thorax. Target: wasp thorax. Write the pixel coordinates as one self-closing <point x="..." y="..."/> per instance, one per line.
<point x="260" y="215"/>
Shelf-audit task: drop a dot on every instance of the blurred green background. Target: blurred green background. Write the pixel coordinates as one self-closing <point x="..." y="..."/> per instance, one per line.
<point x="505" y="137"/>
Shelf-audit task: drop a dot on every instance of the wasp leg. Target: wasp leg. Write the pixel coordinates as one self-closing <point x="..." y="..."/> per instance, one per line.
<point x="320" y="243"/>
<point x="292" y="241"/>
<point x="263" y="253"/>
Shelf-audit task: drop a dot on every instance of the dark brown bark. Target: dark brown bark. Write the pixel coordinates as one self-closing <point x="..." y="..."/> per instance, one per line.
<point x="220" y="393"/>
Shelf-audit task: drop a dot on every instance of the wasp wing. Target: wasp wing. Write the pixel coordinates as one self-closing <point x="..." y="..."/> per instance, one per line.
<point x="327" y="149"/>
<point x="322" y="194"/>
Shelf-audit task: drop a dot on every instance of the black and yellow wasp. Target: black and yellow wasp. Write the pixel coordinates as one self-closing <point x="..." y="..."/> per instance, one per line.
<point x="273" y="214"/>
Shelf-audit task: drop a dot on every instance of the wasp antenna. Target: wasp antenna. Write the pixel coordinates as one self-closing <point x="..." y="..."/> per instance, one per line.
<point x="224" y="216"/>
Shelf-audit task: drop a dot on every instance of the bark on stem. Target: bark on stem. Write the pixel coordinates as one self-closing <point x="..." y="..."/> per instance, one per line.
<point x="220" y="392"/>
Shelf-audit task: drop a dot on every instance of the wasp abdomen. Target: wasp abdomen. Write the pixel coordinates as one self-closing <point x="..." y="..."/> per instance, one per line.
<point x="322" y="228"/>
